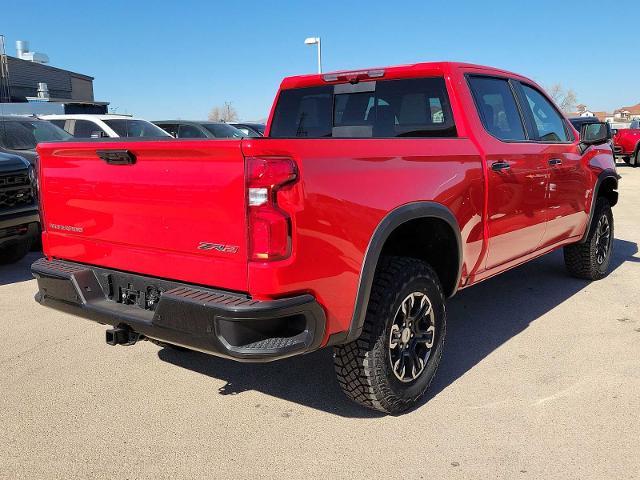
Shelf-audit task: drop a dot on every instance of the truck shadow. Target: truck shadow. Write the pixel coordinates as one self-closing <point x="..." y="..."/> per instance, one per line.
<point x="19" y="271"/>
<point x="480" y="320"/>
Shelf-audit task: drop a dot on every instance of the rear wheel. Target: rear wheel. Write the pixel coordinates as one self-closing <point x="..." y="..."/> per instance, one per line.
<point x="636" y="159"/>
<point x="393" y="362"/>
<point x="590" y="260"/>
<point x="14" y="252"/>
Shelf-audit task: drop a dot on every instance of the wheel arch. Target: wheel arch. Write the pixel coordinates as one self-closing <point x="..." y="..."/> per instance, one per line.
<point x="402" y="217"/>
<point x="606" y="186"/>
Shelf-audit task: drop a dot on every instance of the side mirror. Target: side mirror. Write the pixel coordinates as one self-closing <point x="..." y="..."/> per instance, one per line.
<point x="614" y="131"/>
<point x="595" y="133"/>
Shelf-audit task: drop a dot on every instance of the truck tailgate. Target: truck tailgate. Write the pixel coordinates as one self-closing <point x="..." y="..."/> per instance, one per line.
<point x="177" y="211"/>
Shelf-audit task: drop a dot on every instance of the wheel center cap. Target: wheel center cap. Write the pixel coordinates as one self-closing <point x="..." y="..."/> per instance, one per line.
<point x="406" y="335"/>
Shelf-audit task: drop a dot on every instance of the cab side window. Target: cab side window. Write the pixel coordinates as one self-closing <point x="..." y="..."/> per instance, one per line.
<point x="497" y="108"/>
<point x="548" y="124"/>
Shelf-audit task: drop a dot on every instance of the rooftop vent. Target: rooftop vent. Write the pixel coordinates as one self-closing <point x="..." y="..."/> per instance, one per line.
<point x="22" y="52"/>
<point x="43" y="91"/>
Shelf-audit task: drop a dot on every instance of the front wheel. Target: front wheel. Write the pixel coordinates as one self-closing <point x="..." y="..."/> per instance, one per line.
<point x="590" y="260"/>
<point x="391" y="365"/>
<point x="636" y="159"/>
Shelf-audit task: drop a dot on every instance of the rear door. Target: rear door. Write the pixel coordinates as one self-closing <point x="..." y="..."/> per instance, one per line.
<point x="517" y="172"/>
<point x="172" y="209"/>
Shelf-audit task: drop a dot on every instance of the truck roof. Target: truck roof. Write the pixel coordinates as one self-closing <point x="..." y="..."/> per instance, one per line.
<point x="87" y="116"/>
<point x="390" y="72"/>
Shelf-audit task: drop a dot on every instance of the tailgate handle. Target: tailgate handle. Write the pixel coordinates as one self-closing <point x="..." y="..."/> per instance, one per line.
<point x="117" y="157"/>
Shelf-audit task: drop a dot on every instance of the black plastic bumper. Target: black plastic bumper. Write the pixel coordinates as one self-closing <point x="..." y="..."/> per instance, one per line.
<point x="222" y="323"/>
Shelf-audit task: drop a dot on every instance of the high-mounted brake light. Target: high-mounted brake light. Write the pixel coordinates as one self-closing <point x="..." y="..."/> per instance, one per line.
<point x="353" y="76"/>
<point x="269" y="225"/>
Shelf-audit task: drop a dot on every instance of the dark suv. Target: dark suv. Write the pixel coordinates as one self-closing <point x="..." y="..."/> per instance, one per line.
<point x="19" y="219"/>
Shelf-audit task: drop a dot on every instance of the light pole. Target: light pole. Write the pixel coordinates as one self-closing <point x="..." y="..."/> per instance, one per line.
<point x="316" y="41"/>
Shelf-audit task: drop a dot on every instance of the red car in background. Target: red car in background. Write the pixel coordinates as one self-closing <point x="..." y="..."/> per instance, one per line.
<point x="626" y="143"/>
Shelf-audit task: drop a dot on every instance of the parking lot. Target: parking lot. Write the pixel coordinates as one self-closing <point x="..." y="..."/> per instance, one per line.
<point x="540" y="379"/>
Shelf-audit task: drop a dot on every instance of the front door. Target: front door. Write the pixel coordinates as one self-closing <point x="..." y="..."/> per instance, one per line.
<point x="568" y="181"/>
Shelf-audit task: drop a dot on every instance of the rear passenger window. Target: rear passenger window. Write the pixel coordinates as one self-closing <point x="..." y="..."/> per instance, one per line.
<point x="393" y="108"/>
<point x="547" y="122"/>
<point x="59" y="123"/>
<point x="87" y="129"/>
<point x="189" y="131"/>
<point x="497" y="108"/>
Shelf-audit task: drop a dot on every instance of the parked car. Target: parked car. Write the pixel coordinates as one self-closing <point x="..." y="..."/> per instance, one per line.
<point x="20" y="134"/>
<point x="373" y="197"/>
<point x="197" y="129"/>
<point x="250" y="129"/>
<point x="19" y="218"/>
<point x="626" y="143"/>
<point x="105" y="126"/>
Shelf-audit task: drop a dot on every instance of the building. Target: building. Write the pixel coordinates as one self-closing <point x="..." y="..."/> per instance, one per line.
<point x="30" y="86"/>
<point x="627" y="114"/>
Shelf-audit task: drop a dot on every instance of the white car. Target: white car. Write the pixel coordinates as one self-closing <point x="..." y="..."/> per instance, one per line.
<point x="100" y="126"/>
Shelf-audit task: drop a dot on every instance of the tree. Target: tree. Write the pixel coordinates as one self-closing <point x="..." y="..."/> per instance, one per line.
<point x="565" y="99"/>
<point x="224" y="113"/>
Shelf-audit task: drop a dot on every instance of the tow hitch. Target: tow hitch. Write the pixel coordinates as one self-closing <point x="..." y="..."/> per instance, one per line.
<point x="123" y="336"/>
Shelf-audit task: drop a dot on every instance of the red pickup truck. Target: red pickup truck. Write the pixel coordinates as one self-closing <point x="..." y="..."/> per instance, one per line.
<point x="373" y="196"/>
<point x="626" y="143"/>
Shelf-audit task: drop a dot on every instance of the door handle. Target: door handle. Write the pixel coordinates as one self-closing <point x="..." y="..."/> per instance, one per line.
<point x="555" y="161"/>
<point x="117" y="157"/>
<point x="500" y="166"/>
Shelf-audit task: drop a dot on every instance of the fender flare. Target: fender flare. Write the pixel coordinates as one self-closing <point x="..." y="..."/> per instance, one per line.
<point x="604" y="175"/>
<point x="389" y="223"/>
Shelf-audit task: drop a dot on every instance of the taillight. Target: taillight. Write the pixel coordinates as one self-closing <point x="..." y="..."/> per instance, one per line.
<point x="269" y="225"/>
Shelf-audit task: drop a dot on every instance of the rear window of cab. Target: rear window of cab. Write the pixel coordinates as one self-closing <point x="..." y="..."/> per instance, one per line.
<point x="417" y="107"/>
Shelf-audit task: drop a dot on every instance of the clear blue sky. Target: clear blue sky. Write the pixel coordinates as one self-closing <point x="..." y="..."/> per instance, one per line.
<point x="162" y="59"/>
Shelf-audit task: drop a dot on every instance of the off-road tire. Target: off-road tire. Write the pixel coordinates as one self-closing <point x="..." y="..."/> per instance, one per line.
<point x="581" y="259"/>
<point x="14" y="252"/>
<point x="363" y="367"/>
<point x="636" y="159"/>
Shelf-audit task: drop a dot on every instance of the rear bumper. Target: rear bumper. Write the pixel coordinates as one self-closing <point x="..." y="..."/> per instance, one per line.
<point x="221" y="323"/>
